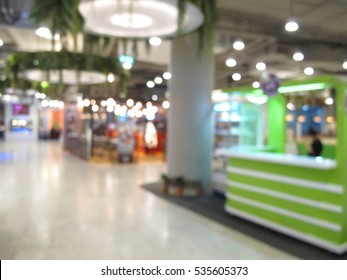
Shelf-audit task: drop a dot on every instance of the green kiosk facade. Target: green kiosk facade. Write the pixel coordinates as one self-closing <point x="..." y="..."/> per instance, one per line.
<point x="276" y="184"/>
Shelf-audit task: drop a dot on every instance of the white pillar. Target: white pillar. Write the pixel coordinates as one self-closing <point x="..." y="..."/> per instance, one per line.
<point x="189" y="151"/>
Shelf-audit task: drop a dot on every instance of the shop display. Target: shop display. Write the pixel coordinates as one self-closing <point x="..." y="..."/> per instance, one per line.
<point x="286" y="189"/>
<point x="238" y="122"/>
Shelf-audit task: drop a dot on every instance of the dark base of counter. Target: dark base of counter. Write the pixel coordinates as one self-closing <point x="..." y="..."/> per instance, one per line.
<point x="212" y="206"/>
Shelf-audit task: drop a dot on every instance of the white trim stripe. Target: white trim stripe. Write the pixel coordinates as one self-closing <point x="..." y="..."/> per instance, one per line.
<point x="314" y="221"/>
<point x="317" y="204"/>
<point x="327" y="245"/>
<point x="333" y="188"/>
<point x="287" y="159"/>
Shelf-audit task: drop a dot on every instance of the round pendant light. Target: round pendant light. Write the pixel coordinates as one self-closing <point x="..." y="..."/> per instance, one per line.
<point x="138" y="19"/>
<point x="68" y="77"/>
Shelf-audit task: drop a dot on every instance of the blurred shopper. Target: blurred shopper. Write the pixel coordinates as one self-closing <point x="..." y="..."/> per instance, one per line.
<point x="316" y="146"/>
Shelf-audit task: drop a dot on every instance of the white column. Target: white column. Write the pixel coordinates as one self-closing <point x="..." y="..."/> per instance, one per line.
<point x="189" y="151"/>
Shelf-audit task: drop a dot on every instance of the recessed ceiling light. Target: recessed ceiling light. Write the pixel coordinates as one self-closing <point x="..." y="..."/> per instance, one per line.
<point x="150" y="84"/>
<point x="238" y="45"/>
<point x="127" y="65"/>
<point x="230" y="62"/>
<point x="155" y="41"/>
<point x="110" y="78"/>
<point x="167" y="76"/>
<point x="158" y="80"/>
<point x="45" y="33"/>
<point x="236" y="76"/>
<point x="261" y="66"/>
<point x="298" y="56"/>
<point x="291" y="25"/>
<point x="130" y="103"/>
<point x="166" y="104"/>
<point x="309" y="71"/>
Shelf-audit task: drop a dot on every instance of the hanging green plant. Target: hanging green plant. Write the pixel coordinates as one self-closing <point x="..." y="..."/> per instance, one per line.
<point x="19" y="64"/>
<point x="64" y="18"/>
<point x="207" y="29"/>
<point x="61" y="16"/>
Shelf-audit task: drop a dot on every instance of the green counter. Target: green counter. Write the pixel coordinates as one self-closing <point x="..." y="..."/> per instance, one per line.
<point x="296" y="195"/>
<point x="300" y="196"/>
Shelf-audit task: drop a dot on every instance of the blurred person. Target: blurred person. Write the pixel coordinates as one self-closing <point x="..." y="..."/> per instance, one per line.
<point x="316" y="146"/>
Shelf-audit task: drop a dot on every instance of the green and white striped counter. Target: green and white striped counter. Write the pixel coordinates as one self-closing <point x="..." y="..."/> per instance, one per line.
<point x="300" y="196"/>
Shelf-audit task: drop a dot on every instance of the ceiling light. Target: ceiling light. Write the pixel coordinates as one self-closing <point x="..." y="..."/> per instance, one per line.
<point x="86" y="102"/>
<point x="127" y="65"/>
<point x="45" y="33"/>
<point x="167" y="76"/>
<point x="259" y="100"/>
<point x="155" y="41"/>
<point x="138" y="105"/>
<point x="289" y="118"/>
<point x="95" y="108"/>
<point x="298" y="56"/>
<point x="130" y="103"/>
<point x="150" y="84"/>
<point x="256" y="84"/>
<point x="109" y="109"/>
<point x="131" y="114"/>
<point x="344" y="65"/>
<point x="138" y="114"/>
<point x="329" y="101"/>
<point x="230" y="62"/>
<point x="131" y="20"/>
<point x="158" y="80"/>
<point x="44" y="103"/>
<point x="305" y="107"/>
<point x="126" y="58"/>
<point x="238" y="45"/>
<point x="291" y="26"/>
<point x="236" y="76"/>
<point x="301" y="118"/>
<point x="166" y="104"/>
<point x="154" y="97"/>
<point x="330" y="119"/>
<point x="67" y="76"/>
<point x="309" y="71"/>
<point x="261" y="66"/>
<point x="110" y="78"/>
<point x="138" y="19"/>
<point x="290" y="106"/>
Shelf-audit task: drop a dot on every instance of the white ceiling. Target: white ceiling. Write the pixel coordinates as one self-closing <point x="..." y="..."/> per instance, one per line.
<point x="322" y="37"/>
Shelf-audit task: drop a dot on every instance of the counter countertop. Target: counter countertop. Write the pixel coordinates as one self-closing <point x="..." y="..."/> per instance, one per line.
<point x="285" y="159"/>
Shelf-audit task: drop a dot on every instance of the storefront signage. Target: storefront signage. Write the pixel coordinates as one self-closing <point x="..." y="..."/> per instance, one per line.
<point x="269" y="83"/>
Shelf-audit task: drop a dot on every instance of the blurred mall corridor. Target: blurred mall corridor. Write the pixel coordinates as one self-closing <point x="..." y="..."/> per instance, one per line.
<point x="56" y="206"/>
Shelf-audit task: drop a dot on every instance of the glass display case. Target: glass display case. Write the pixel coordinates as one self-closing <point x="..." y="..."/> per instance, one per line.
<point x="239" y="121"/>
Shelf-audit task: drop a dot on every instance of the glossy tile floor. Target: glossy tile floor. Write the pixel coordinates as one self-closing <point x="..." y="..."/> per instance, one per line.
<point x="56" y="206"/>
